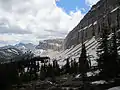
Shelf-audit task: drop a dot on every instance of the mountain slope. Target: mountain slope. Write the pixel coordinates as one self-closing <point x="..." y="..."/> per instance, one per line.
<point x="25" y="47"/>
<point x="7" y="53"/>
<point x="105" y="11"/>
<point x="74" y="52"/>
<point x="45" y="48"/>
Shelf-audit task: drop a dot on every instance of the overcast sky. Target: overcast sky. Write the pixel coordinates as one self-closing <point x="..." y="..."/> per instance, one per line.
<point x="29" y="21"/>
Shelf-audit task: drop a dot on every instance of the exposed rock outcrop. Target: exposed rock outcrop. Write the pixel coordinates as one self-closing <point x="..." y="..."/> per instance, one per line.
<point x="105" y="11"/>
<point x="53" y="44"/>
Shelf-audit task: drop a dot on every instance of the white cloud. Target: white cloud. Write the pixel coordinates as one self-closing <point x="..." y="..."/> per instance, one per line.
<point x="91" y="2"/>
<point x="32" y="20"/>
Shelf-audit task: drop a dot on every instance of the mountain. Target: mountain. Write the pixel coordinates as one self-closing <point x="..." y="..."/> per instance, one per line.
<point x="75" y="51"/>
<point x="89" y="30"/>
<point x="104" y="12"/>
<point x="49" y="48"/>
<point x="8" y="53"/>
<point x="53" y="44"/>
<point x="25" y="47"/>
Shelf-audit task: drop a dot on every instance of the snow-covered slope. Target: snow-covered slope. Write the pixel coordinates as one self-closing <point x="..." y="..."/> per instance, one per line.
<point x="50" y="47"/>
<point x="8" y="53"/>
<point x="25" y="47"/>
<point x="74" y="52"/>
<point x="115" y="88"/>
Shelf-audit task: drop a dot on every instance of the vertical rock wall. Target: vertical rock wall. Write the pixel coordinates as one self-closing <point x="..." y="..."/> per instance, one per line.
<point x="105" y="11"/>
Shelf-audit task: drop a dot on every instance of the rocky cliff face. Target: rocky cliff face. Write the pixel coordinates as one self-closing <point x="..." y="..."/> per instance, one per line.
<point x="53" y="44"/>
<point x="105" y="11"/>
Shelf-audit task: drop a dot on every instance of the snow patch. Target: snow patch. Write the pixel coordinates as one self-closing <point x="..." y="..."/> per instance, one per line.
<point x="115" y="88"/>
<point x="115" y="9"/>
<point x="74" y="52"/>
<point x="99" y="82"/>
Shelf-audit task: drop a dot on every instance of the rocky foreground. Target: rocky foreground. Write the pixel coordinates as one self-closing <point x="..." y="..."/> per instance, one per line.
<point x="68" y="82"/>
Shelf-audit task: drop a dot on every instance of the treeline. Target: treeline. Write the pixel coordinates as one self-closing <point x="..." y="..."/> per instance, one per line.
<point x="29" y="69"/>
<point x="109" y="58"/>
<point x="71" y="67"/>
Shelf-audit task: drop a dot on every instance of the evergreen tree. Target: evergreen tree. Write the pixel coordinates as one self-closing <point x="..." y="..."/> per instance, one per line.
<point x="75" y="66"/>
<point x="114" y="51"/>
<point x="42" y="72"/>
<point x="103" y="48"/>
<point x="83" y="62"/>
<point x="72" y="67"/>
<point x="113" y="62"/>
<point x="50" y="72"/>
<point x="38" y="66"/>
<point x="56" y="68"/>
<point x="67" y="66"/>
<point x="107" y="52"/>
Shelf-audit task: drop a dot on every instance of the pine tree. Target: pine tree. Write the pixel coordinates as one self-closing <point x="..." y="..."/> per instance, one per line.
<point x="56" y="68"/>
<point x="67" y="66"/>
<point x="50" y="72"/>
<point x="42" y="72"/>
<point x="72" y="67"/>
<point x="75" y="66"/>
<point x="103" y="49"/>
<point x="107" y="52"/>
<point x="83" y="62"/>
<point x="114" y="51"/>
<point x="113" y="62"/>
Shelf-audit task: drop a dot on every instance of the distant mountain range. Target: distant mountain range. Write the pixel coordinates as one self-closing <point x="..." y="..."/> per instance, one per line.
<point x="25" y="47"/>
<point x="9" y="52"/>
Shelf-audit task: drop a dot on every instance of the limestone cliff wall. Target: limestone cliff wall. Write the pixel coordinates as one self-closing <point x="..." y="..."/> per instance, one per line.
<point x="106" y="11"/>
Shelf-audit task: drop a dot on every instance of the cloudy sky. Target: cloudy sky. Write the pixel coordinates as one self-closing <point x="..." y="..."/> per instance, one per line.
<point x="33" y="20"/>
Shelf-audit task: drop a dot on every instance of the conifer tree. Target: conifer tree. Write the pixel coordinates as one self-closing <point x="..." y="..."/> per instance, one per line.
<point x="42" y="72"/>
<point x="72" y="67"/>
<point x="113" y="57"/>
<point x="67" y="66"/>
<point x="83" y="62"/>
<point x="114" y="51"/>
<point x="107" y="52"/>
<point x="56" y="68"/>
<point x="75" y="66"/>
<point x="103" y="50"/>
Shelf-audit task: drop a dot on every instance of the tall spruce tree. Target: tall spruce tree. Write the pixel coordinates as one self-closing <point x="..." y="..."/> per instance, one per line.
<point x="107" y="52"/>
<point x="56" y="68"/>
<point x="103" y="49"/>
<point x="114" y="51"/>
<point x="75" y="66"/>
<point x="43" y="72"/>
<point x="83" y="62"/>
<point x="72" y="67"/>
<point x="67" y="66"/>
<point x="113" y="57"/>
